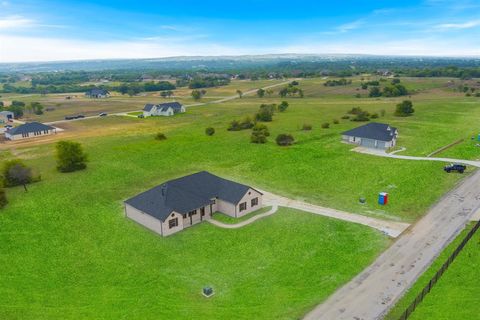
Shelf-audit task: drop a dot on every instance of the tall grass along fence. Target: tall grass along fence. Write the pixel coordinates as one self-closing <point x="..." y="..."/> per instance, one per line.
<point x="407" y="313"/>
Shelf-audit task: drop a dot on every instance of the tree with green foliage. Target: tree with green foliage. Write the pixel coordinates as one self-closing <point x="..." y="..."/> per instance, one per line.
<point x="259" y="133"/>
<point x="196" y="95"/>
<point x="404" y="109"/>
<point x="283" y="106"/>
<point x="260" y="93"/>
<point x="240" y="93"/>
<point x="269" y="92"/>
<point x="374" y="92"/>
<point x="70" y="156"/>
<point x="210" y="131"/>
<point x="265" y="113"/>
<point x="16" y="173"/>
<point x="37" y="108"/>
<point x="285" y="139"/>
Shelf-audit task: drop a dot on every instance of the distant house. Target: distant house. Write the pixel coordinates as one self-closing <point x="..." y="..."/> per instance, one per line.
<point x="372" y="135"/>
<point x="6" y="116"/>
<point x="183" y="202"/>
<point x="97" y="93"/>
<point x="163" y="109"/>
<point x="29" y="130"/>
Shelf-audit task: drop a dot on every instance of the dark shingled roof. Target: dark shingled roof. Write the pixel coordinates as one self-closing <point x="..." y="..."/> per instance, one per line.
<point x="148" y="107"/>
<point x="186" y="194"/>
<point x="373" y="130"/>
<point x="96" y="91"/>
<point x="29" y="128"/>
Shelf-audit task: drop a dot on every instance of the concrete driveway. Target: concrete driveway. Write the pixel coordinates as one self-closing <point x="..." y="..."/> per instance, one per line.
<point x="375" y="290"/>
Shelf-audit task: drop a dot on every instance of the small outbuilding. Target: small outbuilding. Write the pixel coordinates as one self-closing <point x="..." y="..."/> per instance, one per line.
<point x="180" y="203"/>
<point x="97" y="93"/>
<point x="372" y="135"/>
<point x="29" y="130"/>
<point x="163" y="109"/>
<point x="6" y="116"/>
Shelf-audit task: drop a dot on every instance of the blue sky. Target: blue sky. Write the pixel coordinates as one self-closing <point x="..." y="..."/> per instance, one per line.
<point x="42" y="30"/>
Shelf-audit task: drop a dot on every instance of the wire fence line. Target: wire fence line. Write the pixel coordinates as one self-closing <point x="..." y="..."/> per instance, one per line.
<point x="419" y="298"/>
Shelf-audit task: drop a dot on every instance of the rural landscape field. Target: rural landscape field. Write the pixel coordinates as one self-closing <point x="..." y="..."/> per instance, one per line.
<point x="146" y="181"/>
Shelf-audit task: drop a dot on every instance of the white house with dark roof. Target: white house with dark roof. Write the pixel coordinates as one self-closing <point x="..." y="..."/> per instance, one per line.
<point x="372" y="135"/>
<point x="163" y="109"/>
<point x="97" y="93"/>
<point x="29" y="130"/>
<point x="183" y="202"/>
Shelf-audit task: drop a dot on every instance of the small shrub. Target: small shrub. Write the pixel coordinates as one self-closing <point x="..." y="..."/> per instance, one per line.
<point x="283" y="106"/>
<point x="361" y="117"/>
<point x="358" y="95"/>
<point x="246" y="123"/>
<point x="160" y="136"/>
<point x="3" y="198"/>
<point x="325" y="125"/>
<point x="336" y="121"/>
<point x="210" y="131"/>
<point x="306" y="127"/>
<point x="16" y="173"/>
<point x="261" y="128"/>
<point x="258" y="137"/>
<point x="284" y="139"/>
<point x="404" y="109"/>
<point x="345" y="117"/>
<point x="477" y="94"/>
<point x="70" y="156"/>
<point x="374" y="116"/>
<point x="468" y="94"/>
<point x="265" y="113"/>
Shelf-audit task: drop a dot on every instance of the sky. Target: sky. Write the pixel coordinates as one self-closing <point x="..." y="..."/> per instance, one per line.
<point x="52" y="30"/>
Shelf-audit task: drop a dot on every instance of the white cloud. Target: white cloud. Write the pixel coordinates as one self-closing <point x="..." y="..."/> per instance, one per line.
<point x="464" y="25"/>
<point x="22" y="49"/>
<point x="350" y="26"/>
<point x="15" y="22"/>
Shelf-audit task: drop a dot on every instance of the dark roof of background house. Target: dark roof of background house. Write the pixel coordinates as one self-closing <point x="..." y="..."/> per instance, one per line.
<point x="148" y="107"/>
<point x="96" y="91"/>
<point x="373" y="130"/>
<point x="29" y="128"/>
<point x="176" y="106"/>
<point x="186" y="194"/>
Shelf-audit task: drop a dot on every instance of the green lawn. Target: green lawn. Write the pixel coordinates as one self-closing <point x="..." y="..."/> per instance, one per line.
<point x="68" y="252"/>
<point x="455" y="296"/>
<point x="230" y="220"/>
<point x="68" y="256"/>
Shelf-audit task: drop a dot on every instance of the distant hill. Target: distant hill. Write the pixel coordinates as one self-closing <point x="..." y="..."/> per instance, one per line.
<point x="236" y="63"/>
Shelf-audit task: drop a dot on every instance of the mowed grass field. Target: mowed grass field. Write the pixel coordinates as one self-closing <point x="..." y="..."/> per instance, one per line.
<point x="455" y="296"/>
<point x="69" y="252"/>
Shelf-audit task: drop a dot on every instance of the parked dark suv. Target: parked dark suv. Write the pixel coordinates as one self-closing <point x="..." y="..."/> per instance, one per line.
<point x="455" y="167"/>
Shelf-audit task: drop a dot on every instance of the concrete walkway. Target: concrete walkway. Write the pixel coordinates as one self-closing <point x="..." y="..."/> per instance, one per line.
<point x="382" y="153"/>
<point x="391" y="228"/>
<point x="246" y="222"/>
<point x="375" y="290"/>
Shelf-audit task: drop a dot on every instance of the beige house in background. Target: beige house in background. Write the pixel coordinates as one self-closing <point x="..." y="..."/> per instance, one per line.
<point x="183" y="202"/>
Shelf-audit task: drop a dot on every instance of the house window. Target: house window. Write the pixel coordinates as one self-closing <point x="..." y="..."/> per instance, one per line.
<point x="172" y="223"/>
<point x="214" y="201"/>
<point x="184" y="216"/>
<point x="202" y="211"/>
<point x="192" y="213"/>
<point x="254" y="202"/>
<point x="243" y="206"/>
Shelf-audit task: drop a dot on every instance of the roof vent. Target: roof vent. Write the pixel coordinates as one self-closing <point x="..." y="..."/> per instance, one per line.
<point x="164" y="189"/>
